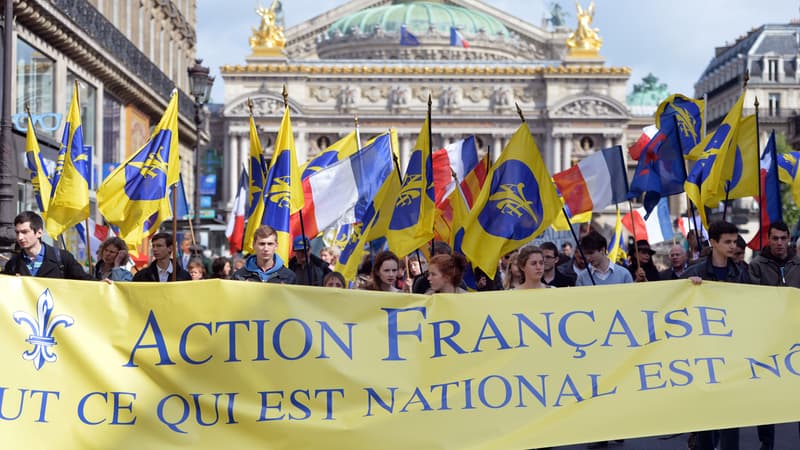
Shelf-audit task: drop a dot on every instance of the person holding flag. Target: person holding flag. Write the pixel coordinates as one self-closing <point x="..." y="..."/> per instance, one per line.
<point x="283" y="193"/>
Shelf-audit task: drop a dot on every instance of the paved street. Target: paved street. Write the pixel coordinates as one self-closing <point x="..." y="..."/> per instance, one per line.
<point x="786" y="436"/>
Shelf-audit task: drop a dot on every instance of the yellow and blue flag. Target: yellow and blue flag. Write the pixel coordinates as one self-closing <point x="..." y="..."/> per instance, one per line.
<point x="39" y="177"/>
<point x="787" y="173"/>
<point x="339" y="150"/>
<point x="257" y="171"/>
<point x="283" y="194"/>
<point x="680" y="119"/>
<point x="69" y="200"/>
<point x="745" y="176"/>
<point x="715" y="156"/>
<point x="616" y="247"/>
<point x="135" y="196"/>
<point x="411" y="225"/>
<point x="518" y="202"/>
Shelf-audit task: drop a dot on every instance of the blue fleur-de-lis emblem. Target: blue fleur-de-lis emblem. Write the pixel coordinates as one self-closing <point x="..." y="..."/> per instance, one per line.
<point x="42" y="338"/>
<point x="411" y="190"/>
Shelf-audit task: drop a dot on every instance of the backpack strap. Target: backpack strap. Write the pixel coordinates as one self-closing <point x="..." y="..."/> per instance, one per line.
<point x="59" y="261"/>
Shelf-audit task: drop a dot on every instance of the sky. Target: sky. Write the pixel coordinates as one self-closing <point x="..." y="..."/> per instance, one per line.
<point x="674" y="40"/>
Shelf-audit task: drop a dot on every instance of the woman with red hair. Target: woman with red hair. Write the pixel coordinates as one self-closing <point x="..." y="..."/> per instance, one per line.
<point x="445" y="273"/>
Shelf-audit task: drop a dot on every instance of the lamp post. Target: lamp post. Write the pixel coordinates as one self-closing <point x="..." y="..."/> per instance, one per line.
<point x="200" y="86"/>
<point x="8" y="157"/>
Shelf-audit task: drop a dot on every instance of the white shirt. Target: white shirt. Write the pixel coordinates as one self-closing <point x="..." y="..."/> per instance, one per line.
<point x="163" y="274"/>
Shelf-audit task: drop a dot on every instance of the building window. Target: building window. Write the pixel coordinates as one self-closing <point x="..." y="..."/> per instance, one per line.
<point x="774" y="105"/>
<point x="772" y="68"/>
<point x="35" y="85"/>
<point x="112" y="132"/>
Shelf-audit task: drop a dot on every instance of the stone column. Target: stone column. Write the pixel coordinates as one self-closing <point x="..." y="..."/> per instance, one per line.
<point x="566" y="161"/>
<point x="233" y="163"/>
<point x="497" y="147"/>
<point x="405" y="152"/>
<point x="555" y="164"/>
<point x="301" y="147"/>
<point x="608" y="140"/>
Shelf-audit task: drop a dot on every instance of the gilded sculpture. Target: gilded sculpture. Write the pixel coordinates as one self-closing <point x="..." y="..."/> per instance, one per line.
<point x="585" y="41"/>
<point x="268" y="39"/>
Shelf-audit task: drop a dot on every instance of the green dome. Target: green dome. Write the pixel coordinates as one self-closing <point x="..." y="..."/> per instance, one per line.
<point x="418" y="16"/>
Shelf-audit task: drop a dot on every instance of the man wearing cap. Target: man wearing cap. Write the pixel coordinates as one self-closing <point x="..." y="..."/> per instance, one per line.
<point x="642" y="267"/>
<point x="299" y="264"/>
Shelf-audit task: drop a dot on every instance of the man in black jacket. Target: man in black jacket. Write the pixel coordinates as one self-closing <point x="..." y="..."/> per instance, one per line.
<point x="719" y="266"/>
<point x="160" y="270"/>
<point x="265" y="266"/>
<point x="297" y="264"/>
<point x="38" y="259"/>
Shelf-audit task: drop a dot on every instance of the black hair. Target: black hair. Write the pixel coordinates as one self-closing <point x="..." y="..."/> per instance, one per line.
<point x="550" y="246"/>
<point x="37" y="224"/>
<point x="717" y="229"/>
<point x="166" y="236"/>
<point x="594" y="241"/>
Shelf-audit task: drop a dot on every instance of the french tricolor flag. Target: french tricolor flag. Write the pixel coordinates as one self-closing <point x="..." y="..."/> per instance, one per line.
<point x="234" y="230"/>
<point x="457" y="39"/>
<point x="648" y="132"/>
<point x="657" y="228"/>
<point x="597" y="181"/>
<point x="339" y="193"/>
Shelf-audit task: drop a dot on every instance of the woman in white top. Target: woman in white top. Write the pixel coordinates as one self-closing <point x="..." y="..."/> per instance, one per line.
<point x="531" y="263"/>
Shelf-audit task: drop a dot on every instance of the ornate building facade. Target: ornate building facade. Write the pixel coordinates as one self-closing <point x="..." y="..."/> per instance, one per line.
<point x="126" y="57"/>
<point x="357" y="59"/>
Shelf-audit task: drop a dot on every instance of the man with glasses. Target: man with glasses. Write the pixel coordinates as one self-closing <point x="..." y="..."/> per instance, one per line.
<point x="776" y="265"/>
<point x="553" y="277"/>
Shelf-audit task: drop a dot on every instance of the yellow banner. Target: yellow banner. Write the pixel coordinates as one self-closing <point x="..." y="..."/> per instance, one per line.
<point x="212" y="364"/>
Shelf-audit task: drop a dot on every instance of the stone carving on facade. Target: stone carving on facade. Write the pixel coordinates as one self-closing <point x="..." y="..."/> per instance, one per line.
<point x="348" y="98"/>
<point x="373" y="94"/>
<point x="399" y="97"/>
<point x="262" y="106"/>
<point x="475" y="94"/>
<point x="321" y="93"/>
<point x="502" y="98"/>
<point x="449" y="99"/>
<point x="586" y="108"/>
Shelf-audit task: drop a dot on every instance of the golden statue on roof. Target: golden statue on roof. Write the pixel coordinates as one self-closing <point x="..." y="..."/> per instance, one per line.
<point x="268" y="39"/>
<point x="584" y="41"/>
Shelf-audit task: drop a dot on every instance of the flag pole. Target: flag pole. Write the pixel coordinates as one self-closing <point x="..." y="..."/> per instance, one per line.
<point x="191" y="227"/>
<point x="174" y="234"/>
<point x="564" y="211"/>
<point x="358" y="131"/>
<point x="306" y="241"/>
<point x="86" y="220"/>
<point x="761" y="201"/>
<point x="728" y="183"/>
<point x="430" y="149"/>
<point x="693" y="222"/>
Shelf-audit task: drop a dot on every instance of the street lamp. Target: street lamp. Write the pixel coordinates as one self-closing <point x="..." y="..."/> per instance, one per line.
<point x="200" y="87"/>
<point x="8" y="157"/>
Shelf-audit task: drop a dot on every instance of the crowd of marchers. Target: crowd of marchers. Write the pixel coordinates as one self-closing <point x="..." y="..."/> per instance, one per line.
<point x="720" y="258"/>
